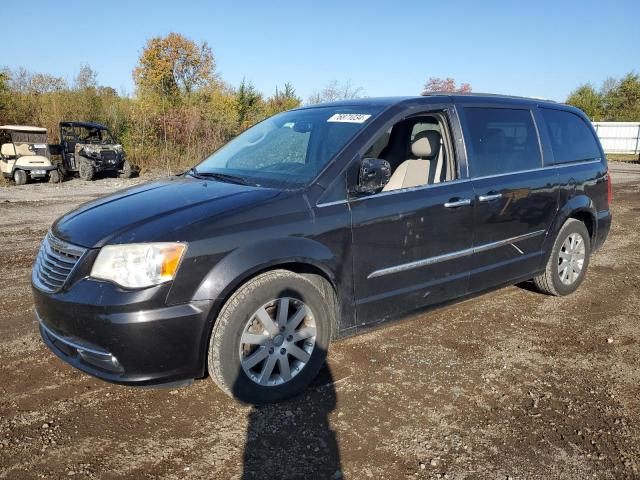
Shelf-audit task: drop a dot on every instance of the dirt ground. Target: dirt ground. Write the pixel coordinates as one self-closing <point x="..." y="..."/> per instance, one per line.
<point x="510" y="384"/>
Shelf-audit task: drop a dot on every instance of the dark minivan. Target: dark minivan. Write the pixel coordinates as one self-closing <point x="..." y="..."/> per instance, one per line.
<point x="317" y="223"/>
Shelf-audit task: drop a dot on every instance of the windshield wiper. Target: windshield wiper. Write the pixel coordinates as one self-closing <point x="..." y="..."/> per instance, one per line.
<point x="224" y="177"/>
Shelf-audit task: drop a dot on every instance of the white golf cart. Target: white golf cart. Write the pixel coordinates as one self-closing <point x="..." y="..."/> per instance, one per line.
<point x="24" y="154"/>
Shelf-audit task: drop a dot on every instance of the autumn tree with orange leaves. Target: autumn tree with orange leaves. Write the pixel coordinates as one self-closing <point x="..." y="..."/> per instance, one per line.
<point x="174" y="64"/>
<point x="435" y="84"/>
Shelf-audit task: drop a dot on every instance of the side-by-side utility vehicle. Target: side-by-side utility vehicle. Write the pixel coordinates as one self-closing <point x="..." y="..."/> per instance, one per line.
<point x="24" y="154"/>
<point x="317" y="223"/>
<point x="88" y="148"/>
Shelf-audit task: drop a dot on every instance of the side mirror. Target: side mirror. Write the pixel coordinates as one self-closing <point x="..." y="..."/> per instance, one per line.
<point x="374" y="174"/>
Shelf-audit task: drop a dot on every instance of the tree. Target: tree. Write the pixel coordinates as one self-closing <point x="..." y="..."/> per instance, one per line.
<point x="435" y="84"/>
<point x="588" y="100"/>
<point x="24" y="81"/>
<point x="4" y="93"/>
<point x="334" y="91"/>
<point x="86" y="78"/>
<point x="173" y="64"/>
<point x="622" y="102"/>
<point x="249" y="102"/>
<point x="282" y="100"/>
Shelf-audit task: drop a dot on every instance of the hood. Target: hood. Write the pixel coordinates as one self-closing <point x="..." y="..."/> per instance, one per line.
<point x="132" y="215"/>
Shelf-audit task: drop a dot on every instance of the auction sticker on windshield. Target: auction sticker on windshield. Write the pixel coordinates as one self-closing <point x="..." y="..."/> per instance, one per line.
<point x="349" y="117"/>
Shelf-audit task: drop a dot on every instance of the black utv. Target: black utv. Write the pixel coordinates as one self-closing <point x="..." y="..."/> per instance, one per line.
<point x="88" y="148"/>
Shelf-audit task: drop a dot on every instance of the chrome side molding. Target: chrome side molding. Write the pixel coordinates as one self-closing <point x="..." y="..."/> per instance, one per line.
<point x="453" y="255"/>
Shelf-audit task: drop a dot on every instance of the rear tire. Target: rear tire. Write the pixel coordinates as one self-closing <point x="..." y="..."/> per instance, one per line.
<point x="288" y="365"/>
<point x="20" y="177"/>
<point x="126" y="170"/>
<point x="54" y="176"/>
<point x="568" y="262"/>
<point x="86" y="171"/>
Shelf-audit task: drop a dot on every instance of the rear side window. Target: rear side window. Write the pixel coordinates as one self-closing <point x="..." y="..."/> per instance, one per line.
<point x="571" y="138"/>
<point x="502" y="140"/>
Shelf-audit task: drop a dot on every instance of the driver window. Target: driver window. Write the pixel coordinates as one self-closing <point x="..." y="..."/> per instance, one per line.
<point x="418" y="150"/>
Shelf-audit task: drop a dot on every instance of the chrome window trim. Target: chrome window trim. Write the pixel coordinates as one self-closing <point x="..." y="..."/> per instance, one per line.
<point x="451" y="256"/>
<point x="460" y="180"/>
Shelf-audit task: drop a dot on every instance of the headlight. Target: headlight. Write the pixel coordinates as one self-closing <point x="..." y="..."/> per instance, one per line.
<point x="138" y="265"/>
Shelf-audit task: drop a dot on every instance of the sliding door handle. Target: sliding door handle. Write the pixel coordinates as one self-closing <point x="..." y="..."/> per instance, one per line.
<point x="488" y="198"/>
<point x="457" y="203"/>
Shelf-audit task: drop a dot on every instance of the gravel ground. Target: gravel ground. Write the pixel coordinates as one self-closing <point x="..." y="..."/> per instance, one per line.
<point x="510" y="384"/>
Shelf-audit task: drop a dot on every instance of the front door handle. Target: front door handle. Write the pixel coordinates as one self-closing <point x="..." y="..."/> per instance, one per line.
<point x="488" y="198"/>
<point x="457" y="203"/>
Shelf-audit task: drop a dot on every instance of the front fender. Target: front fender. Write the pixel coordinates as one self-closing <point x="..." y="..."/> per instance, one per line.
<point x="244" y="262"/>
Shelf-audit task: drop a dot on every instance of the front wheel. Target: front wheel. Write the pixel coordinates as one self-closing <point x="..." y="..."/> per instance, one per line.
<point x="271" y="338"/>
<point x="568" y="262"/>
<point x="86" y="171"/>
<point x="20" y="177"/>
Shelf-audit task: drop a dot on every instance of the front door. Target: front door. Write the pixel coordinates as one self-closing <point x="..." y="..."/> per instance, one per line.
<point x="411" y="241"/>
<point x="516" y="197"/>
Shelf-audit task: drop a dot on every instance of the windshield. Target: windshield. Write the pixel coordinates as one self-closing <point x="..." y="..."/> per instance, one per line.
<point x="94" y="135"/>
<point x="290" y="148"/>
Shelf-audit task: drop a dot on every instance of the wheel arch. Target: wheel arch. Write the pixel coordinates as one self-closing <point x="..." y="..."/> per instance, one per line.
<point x="580" y="207"/>
<point x="298" y="255"/>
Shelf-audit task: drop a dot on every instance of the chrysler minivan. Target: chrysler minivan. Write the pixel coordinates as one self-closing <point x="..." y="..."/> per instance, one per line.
<point x="317" y="223"/>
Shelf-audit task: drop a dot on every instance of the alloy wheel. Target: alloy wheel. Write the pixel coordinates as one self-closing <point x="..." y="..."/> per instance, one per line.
<point x="571" y="258"/>
<point x="277" y="341"/>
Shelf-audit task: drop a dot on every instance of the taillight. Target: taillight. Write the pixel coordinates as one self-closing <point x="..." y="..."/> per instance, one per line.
<point x="609" y="192"/>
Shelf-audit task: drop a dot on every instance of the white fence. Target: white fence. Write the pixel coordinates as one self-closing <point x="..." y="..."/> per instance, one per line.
<point x="619" y="137"/>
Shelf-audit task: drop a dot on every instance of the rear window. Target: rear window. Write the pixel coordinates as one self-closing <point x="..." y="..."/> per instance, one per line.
<point x="502" y="140"/>
<point x="571" y="138"/>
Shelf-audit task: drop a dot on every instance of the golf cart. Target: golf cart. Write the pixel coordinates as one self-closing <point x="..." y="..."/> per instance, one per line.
<point x="24" y="154"/>
<point x="88" y="148"/>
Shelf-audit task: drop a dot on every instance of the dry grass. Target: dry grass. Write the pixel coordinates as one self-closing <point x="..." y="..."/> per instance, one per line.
<point x="623" y="157"/>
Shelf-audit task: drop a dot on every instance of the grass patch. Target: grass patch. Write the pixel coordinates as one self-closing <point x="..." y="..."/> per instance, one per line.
<point x="623" y="157"/>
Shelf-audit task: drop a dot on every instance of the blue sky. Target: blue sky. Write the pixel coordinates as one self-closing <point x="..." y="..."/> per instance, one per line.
<point x="537" y="48"/>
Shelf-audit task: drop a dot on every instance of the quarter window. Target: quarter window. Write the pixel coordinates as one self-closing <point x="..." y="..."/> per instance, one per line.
<point x="571" y="138"/>
<point x="502" y="140"/>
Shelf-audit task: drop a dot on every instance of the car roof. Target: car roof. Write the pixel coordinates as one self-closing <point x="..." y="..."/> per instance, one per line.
<point x="23" y="128"/>
<point x="82" y="124"/>
<point x="434" y="98"/>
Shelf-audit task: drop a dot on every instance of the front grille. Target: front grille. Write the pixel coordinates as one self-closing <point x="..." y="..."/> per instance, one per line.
<point x="108" y="155"/>
<point x="54" y="263"/>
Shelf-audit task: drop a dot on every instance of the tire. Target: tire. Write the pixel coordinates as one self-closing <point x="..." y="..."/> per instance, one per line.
<point x="86" y="171"/>
<point x="126" y="170"/>
<point x="20" y="177"/>
<point x="55" y="176"/>
<point x="550" y="281"/>
<point x="265" y="292"/>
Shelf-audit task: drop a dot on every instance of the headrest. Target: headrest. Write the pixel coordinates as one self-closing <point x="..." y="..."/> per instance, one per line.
<point x="426" y="144"/>
<point x="8" y="150"/>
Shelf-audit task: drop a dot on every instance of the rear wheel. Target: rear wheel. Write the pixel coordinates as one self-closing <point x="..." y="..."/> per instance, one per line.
<point x="126" y="170"/>
<point x="54" y="176"/>
<point x="270" y="338"/>
<point x="568" y="262"/>
<point x="20" y="177"/>
<point x="86" y="170"/>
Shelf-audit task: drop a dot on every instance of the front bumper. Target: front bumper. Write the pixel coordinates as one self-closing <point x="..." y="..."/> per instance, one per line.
<point x="128" y="339"/>
<point x="37" y="171"/>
